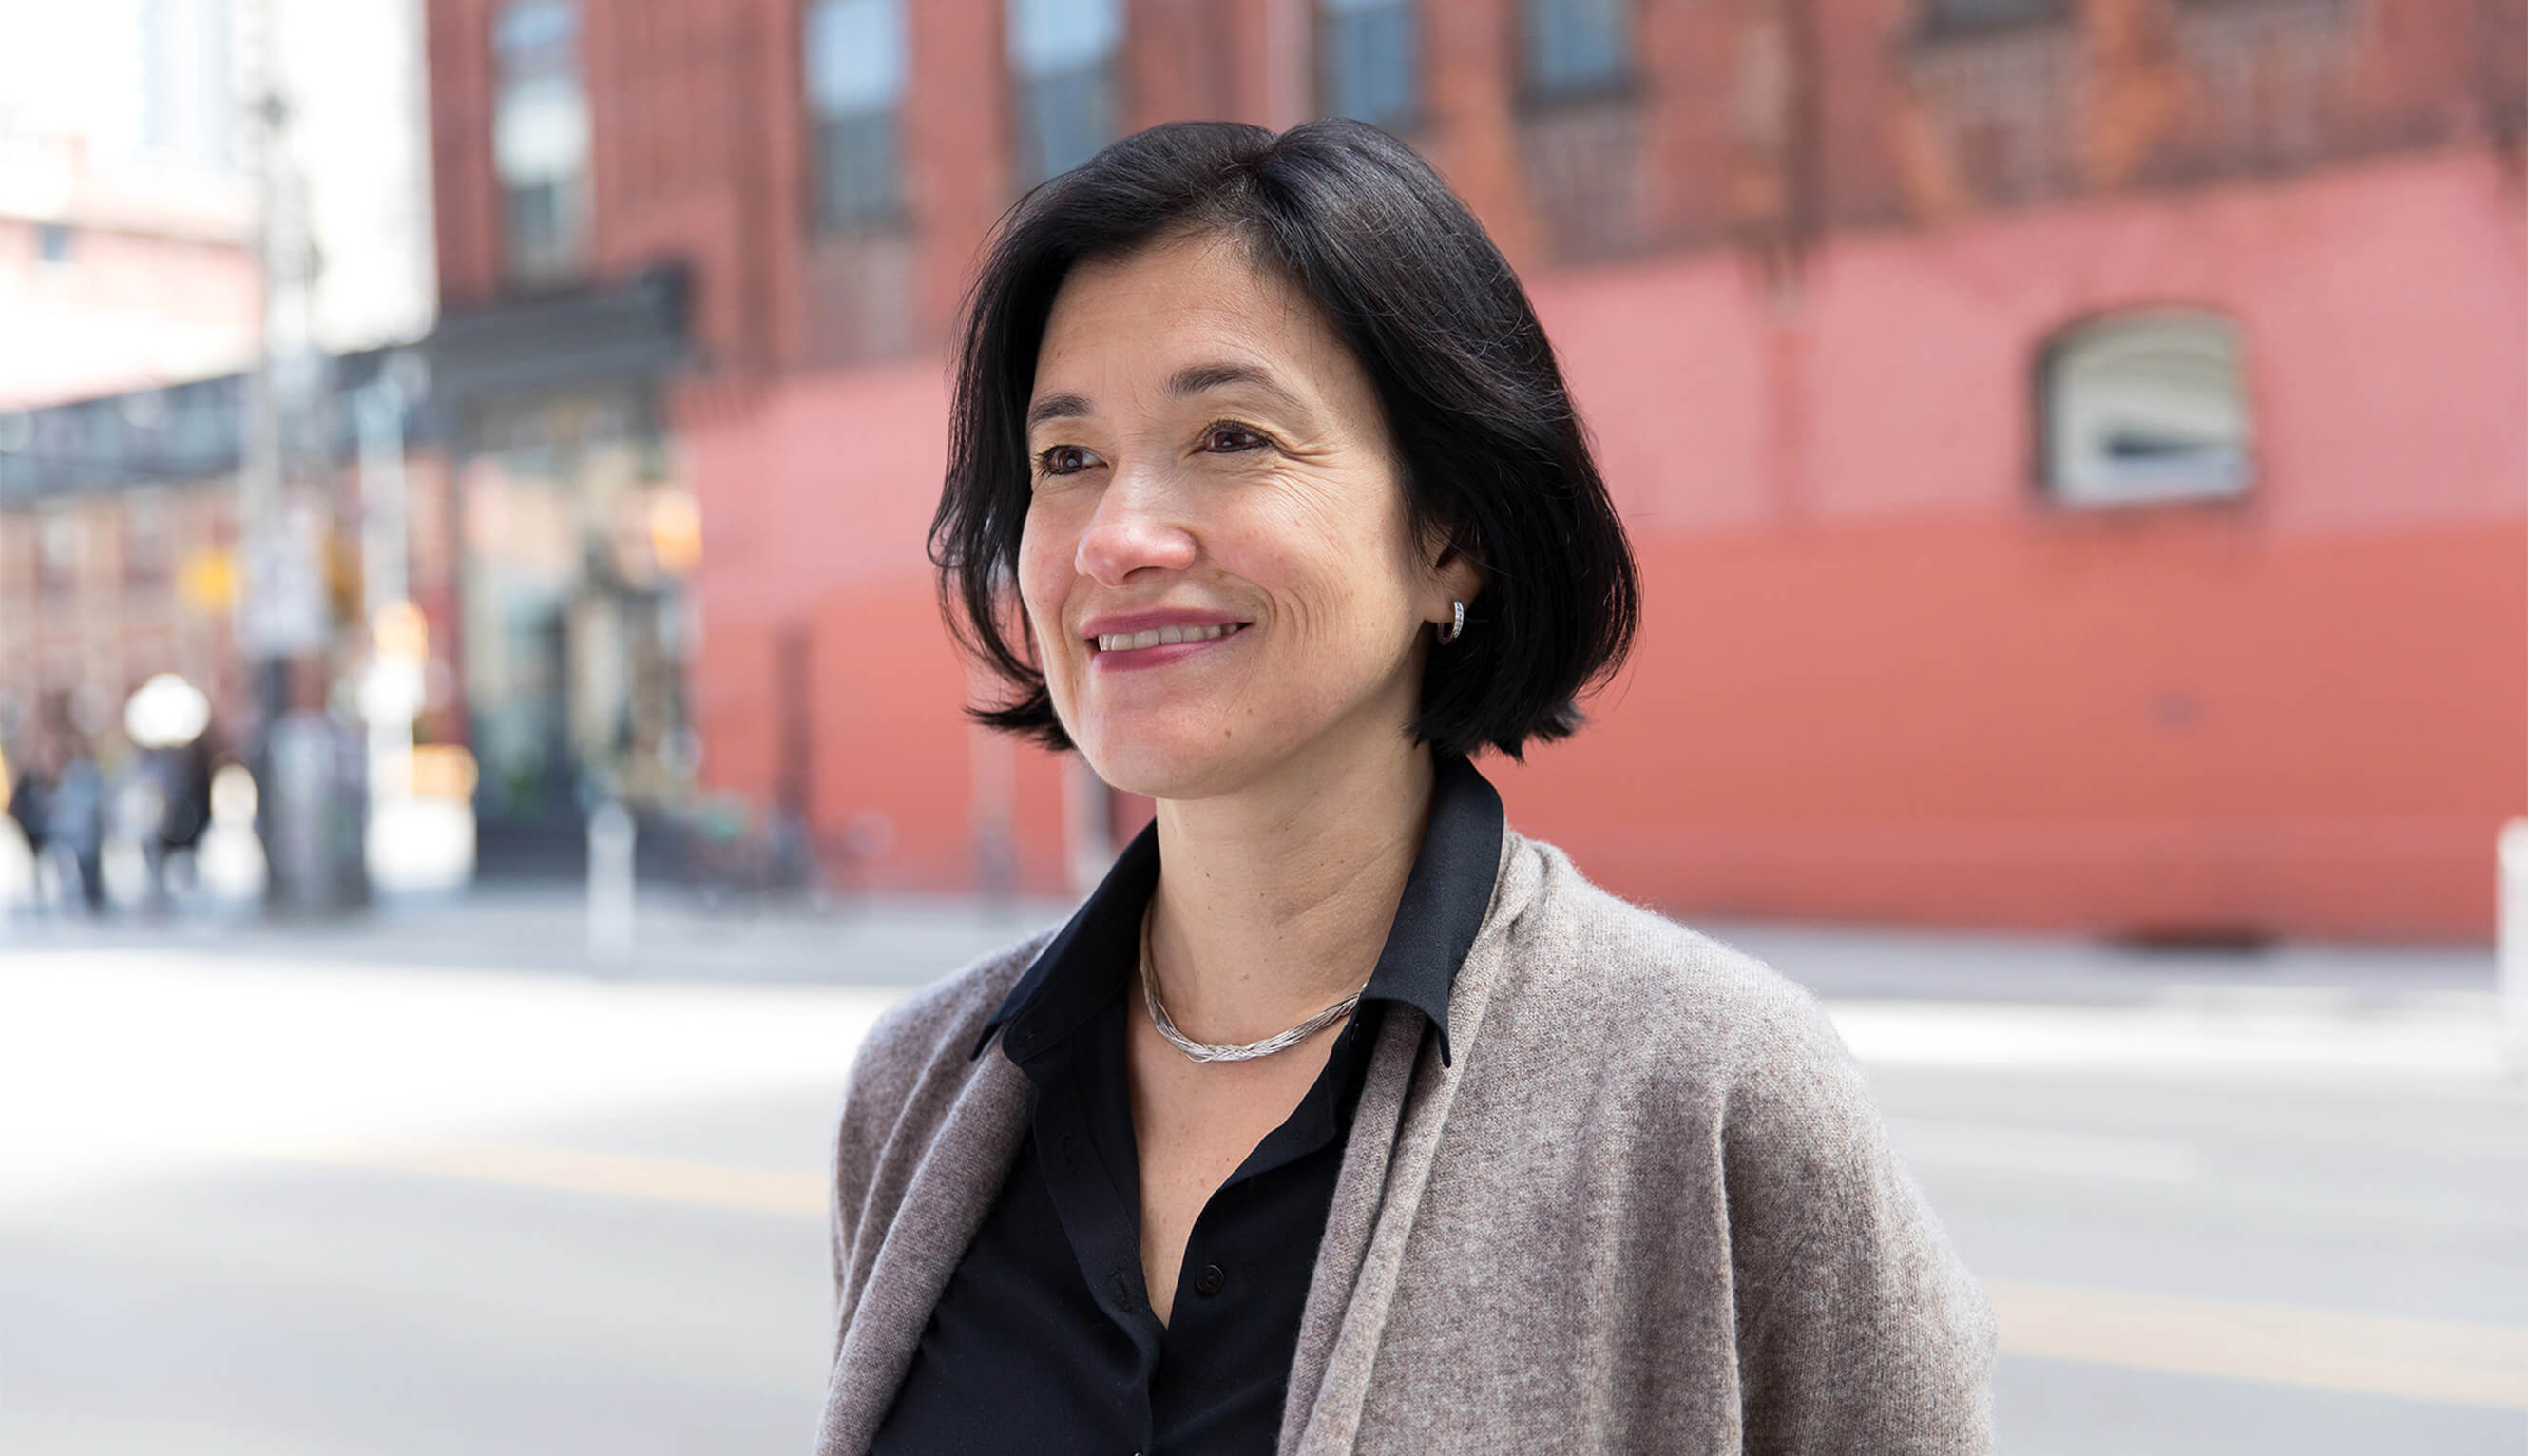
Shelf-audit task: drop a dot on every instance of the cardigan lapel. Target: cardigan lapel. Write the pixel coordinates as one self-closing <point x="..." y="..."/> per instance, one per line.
<point x="1351" y="1216"/>
<point x="1404" y="1105"/>
<point x="944" y="1204"/>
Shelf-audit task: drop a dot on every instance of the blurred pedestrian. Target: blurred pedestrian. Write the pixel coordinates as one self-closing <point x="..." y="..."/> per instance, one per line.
<point x="75" y="822"/>
<point x="1341" y="1116"/>
<point x="166" y="805"/>
<point x="30" y="805"/>
<point x="186" y="782"/>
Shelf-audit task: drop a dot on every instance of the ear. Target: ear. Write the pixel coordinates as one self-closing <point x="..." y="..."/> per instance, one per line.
<point x="1455" y="576"/>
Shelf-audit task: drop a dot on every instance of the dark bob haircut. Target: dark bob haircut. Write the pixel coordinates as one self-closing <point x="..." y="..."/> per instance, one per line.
<point x="1491" y="456"/>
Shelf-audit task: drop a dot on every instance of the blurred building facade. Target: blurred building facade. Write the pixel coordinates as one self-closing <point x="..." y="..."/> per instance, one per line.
<point x="117" y="274"/>
<point x="121" y="545"/>
<point x="2074" y="445"/>
<point x="213" y="228"/>
<point x="128" y="207"/>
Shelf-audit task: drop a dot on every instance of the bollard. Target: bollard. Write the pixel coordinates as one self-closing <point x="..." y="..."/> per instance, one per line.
<point x="2513" y="933"/>
<point x="610" y="883"/>
<point x="2511" y="910"/>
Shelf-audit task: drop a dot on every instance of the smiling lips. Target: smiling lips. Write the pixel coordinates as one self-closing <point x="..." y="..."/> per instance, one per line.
<point x="1164" y="636"/>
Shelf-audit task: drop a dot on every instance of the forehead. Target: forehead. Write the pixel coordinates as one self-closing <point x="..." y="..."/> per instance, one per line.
<point x="1183" y="300"/>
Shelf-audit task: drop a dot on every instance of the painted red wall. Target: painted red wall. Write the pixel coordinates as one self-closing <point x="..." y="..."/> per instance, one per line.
<point x="1879" y="677"/>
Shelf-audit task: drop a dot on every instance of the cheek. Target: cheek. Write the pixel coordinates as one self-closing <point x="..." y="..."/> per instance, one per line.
<point x="1045" y="553"/>
<point x="1345" y="554"/>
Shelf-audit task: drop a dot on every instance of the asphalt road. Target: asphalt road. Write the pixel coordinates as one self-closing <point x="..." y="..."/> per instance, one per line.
<point x="334" y="1205"/>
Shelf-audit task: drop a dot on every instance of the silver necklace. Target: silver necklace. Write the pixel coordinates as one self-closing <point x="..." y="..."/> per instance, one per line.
<point x="1204" y="1051"/>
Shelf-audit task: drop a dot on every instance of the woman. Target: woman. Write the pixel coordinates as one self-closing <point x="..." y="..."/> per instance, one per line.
<point x="1341" y="1116"/>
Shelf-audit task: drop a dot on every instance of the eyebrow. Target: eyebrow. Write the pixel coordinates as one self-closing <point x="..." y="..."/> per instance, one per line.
<point x="1194" y="378"/>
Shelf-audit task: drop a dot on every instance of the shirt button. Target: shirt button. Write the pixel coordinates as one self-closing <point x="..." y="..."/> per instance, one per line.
<point x="1209" y="1281"/>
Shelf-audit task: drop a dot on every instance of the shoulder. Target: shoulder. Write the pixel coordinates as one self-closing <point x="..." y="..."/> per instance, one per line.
<point x="1661" y="1043"/>
<point x="936" y="1026"/>
<point x="903" y="1081"/>
<point x="1696" y="1036"/>
<point x="1642" y="983"/>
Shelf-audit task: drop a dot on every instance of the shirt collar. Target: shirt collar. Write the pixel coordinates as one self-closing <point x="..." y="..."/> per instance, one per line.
<point x="1446" y="895"/>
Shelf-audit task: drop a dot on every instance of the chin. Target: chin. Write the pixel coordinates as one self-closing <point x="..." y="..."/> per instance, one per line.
<point x="1184" y="760"/>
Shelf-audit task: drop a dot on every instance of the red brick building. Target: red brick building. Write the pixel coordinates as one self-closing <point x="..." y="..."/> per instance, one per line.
<point x="2076" y="447"/>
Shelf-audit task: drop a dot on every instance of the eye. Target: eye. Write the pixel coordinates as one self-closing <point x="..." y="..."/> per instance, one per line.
<point x="1227" y="438"/>
<point x="1063" y="459"/>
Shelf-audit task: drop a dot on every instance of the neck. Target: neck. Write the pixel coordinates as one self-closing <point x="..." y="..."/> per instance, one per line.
<point x="1273" y="902"/>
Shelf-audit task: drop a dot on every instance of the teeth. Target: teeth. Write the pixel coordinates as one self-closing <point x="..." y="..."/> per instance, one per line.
<point x="1122" y="641"/>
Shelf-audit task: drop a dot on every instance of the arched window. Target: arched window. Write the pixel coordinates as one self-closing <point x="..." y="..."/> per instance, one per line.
<point x="2145" y="406"/>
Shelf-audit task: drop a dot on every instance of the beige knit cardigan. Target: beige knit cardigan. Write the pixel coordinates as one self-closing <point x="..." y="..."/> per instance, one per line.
<point x="1648" y="1208"/>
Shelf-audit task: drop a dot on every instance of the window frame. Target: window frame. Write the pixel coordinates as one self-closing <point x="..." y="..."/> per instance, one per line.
<point x="1024" y="142"/>
<point x="1936" y="20"/>
<point x="894" y="210"/>
<point x="1622" y="84"/>
<point x="146" y="533"/>
<point x="572" y="193"/>
<point x="2066" y="487"/>
<point x="1415" y="113"/>
<point x="61" y="550"/>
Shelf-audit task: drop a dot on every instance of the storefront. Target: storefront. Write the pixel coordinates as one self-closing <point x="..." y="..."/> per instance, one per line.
<point x="578" y="535"/>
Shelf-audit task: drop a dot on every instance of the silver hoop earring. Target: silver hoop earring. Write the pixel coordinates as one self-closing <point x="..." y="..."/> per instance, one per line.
<point x="1453" y="630"/>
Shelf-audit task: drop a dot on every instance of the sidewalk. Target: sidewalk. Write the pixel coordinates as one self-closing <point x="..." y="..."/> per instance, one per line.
<point x="1902" y="997"/>
<point x="904" y="940"/>
<point x="881" y="941"/>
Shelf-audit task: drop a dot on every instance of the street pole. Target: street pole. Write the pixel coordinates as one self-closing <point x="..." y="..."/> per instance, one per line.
<point x="398" y="650"/>
<point x="1088" y="823"/>
<point x="994" y="765"/>
<point x="610" y="884"/>
<point x="2512" y="857"/>
<point x="284" y="619"/>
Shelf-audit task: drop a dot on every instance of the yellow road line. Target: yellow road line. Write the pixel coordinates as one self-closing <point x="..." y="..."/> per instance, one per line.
<point x="2432" y="1360"/>
<point x="2436" y="1360"/>
<point x="615" y="1175"/>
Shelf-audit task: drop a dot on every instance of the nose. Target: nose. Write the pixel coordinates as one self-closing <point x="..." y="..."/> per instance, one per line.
<point x="1134" y="529"/>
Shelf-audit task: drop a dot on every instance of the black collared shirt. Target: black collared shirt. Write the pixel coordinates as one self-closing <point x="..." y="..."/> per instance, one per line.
<point x="1044" y="1339"/>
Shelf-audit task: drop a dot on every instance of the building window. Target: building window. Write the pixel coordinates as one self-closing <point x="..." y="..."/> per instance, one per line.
<point x="53" y="243"/>
<point x="540" y="139"/>
<point x="145" y="548"/>
<point x="2143" y="406"/>
<point x="59" y="544"/>
<point x="1580" y="135"/>
<point x="1369" y="61"/>
<point x="1576" y="47"/>
<point x="1949" y="16"/>
<point x="856" y="65"/>
<point x="1063" y="55"/>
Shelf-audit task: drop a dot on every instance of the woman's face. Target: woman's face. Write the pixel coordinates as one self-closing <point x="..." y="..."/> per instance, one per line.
<point x="1216" y="563"/>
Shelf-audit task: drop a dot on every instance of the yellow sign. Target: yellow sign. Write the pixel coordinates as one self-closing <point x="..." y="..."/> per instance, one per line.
<point x="207" y="580"/>
<point x="443" y="770"/>
<point x="676" y="532"/>
<point x="400" y="633"/>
